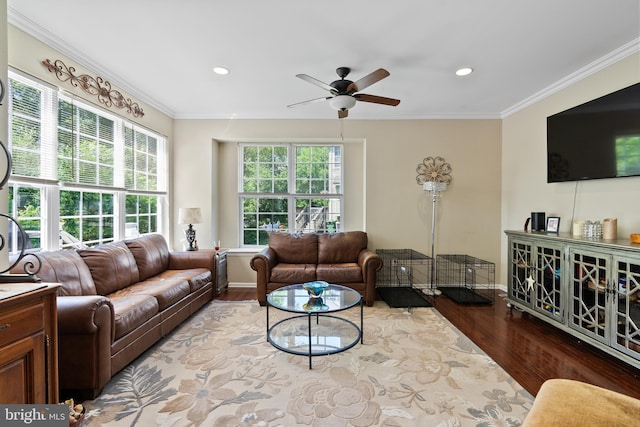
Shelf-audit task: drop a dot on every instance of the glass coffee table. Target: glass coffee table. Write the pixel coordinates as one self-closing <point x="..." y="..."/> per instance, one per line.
<point x="314" y="330"/>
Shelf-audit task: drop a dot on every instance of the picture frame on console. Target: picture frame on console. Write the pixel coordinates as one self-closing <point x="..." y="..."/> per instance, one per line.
<point x="553" y="224"/>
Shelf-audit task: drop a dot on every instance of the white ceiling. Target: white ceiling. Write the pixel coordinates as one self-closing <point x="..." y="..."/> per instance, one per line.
<point x="162" y="51"/>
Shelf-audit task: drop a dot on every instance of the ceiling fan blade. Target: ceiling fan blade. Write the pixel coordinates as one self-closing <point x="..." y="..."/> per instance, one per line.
<point x="309" y="101"/>
<point x="368" y="80"/>
<point x="316" y="82"/>
<point x="343" y="114"/>
<point x="376" y="99"/>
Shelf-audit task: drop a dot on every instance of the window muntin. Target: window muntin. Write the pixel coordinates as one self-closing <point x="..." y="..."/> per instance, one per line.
<point x="262" y="215"/>
<point x="317" y="214"/>
<point x="267" y="204"/>
<point x="25" y="204"/>
<point x="265" y="169"/>
<point x="86" y="217"/>
<point x="141" y="214"/>
<point x="318" y="169"/>
<point x="93" y="155"/>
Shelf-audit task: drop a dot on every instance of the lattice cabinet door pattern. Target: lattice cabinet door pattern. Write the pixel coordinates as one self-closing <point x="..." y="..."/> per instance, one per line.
<point x="626" y="297"/>
<point x="589" y="293"/>
<point x="548" y="291"/>
<point x="520" y="271"/>
<point x="588" y="288"/>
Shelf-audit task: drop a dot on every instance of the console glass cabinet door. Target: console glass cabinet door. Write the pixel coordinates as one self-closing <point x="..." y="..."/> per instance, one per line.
<point x="590" y="293"/>
<point x="520" y="271"/>
<point x="548" y="291"/>
<point x="626" y="328"/>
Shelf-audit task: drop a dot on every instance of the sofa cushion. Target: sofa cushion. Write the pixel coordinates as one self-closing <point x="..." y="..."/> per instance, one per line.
<point x="131" y="311"/>
<point x="112" y="266"/>
<point x="336" y="248"/>
<point x="197" y="277"/>
<point x="293" y="273"/>
<point x="295" y="248"/>
<point x="166" y="291"/>
<point x="348" y="272"/>
<point x="65" y="267"/>
<point x="151" y="254"/>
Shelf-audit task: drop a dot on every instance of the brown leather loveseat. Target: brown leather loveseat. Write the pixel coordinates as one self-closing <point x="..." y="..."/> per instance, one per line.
<point x="339" y="258"/>
<point x="116" y="301"/>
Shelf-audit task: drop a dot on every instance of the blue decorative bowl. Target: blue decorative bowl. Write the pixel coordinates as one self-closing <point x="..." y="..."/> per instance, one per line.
<point x="315" y="288"/>
<point x="315" y="304"/>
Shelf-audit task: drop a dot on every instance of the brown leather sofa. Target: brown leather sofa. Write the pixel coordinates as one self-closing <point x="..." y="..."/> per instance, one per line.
<point x="339" y="258"/>
<point x="116" y="301"/>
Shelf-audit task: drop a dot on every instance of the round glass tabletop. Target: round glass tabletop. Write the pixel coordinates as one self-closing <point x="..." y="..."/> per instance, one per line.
<point x="296" y="299"/>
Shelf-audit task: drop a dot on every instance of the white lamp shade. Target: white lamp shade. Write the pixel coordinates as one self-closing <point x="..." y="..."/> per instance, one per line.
<point x="342" y="102"/>
<point x="189" y="216"/>
<point x="434" y="186"/>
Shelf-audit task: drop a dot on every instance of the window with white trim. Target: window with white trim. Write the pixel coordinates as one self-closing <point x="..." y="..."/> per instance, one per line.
<point x="289" y="187"/>
<point x="80" y="176"/>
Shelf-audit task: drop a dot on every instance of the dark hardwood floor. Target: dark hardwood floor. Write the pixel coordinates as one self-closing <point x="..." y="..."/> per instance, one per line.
<point x="530" y="350"/>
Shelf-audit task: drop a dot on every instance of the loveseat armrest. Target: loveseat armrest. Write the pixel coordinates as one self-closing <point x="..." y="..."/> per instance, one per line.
<point x="370" y="262"/>
<point x="194" y="259"/>
<point x="262" y="263"/>
<point x="86" y="331"/>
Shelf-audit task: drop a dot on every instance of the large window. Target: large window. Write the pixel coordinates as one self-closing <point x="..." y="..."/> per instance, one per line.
<point x="80" y="176"/>
<point x="289" y="187"/>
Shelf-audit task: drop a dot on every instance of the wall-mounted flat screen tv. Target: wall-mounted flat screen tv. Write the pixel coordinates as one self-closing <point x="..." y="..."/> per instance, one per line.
<point x="598" y="139"/>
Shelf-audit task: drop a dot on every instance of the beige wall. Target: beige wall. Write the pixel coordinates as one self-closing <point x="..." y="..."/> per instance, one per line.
<point x="381" y="193"/>
<point x="499" y="168"/>
<point x="524" y="164"/>
<point x="25" y="53"/>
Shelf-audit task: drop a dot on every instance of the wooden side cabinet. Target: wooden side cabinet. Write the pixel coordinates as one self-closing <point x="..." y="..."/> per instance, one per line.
<point x="222" y="282"/>
<point x="28" y="343"/>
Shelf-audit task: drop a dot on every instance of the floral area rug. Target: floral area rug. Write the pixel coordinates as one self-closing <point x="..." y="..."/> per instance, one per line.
<point x="217" y="369"/>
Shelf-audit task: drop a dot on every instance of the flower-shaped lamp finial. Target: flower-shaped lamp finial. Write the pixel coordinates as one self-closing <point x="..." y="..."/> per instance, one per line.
<point x="433" y="169"/>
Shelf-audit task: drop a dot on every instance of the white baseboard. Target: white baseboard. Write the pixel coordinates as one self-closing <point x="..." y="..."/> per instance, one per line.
<point x="242" y="285"/>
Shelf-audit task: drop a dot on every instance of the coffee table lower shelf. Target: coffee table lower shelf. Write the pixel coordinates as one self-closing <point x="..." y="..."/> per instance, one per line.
<point x="314" y="334"/>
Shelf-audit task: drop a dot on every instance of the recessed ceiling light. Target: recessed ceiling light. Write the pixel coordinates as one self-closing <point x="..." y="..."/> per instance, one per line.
<point x="221" y="70"/>
<point x="464" y="71"/>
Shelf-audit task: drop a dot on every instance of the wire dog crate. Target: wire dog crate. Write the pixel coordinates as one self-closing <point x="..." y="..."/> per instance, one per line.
<point x="404" y="274"/>
<point x="466" y="279"/>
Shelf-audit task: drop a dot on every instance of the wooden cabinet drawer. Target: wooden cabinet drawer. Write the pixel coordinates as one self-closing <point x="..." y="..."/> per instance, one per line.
<point x="19" y="323"/>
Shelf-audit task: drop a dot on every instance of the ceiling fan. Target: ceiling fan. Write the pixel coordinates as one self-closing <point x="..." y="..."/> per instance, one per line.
<point x="343" y="91"/>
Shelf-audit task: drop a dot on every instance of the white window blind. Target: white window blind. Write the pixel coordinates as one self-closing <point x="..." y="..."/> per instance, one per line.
<point x="85" y="145"/>
<point x="32" y="116"/>
<point x="81" y="175"/>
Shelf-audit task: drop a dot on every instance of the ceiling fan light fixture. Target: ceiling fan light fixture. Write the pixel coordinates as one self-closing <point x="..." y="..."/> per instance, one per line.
<point x="223" y="71"/>
<point x="465" y="71"/>
<point x="342" y="102"/>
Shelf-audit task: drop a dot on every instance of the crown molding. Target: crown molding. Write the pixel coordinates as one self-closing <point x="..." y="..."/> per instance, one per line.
<point x="25" y="24"/>
<point x="611" y="58"/>
<point x="28" y="26"/>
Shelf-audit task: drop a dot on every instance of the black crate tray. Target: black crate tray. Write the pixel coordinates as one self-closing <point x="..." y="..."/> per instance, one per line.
<point x="464" y="295"/>
<point x="403" y="297"/>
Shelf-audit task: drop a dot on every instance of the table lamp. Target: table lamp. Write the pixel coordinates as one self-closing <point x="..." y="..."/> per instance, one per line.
<point x="190" y="216"/>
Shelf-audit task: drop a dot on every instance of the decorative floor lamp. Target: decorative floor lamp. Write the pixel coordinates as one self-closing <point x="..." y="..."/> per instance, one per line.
<point x="434" y="174"/>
